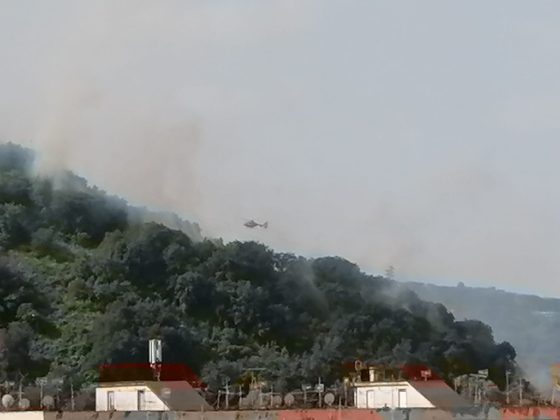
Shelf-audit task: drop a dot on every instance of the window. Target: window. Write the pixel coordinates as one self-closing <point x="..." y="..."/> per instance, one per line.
<point x="110" y="400"/>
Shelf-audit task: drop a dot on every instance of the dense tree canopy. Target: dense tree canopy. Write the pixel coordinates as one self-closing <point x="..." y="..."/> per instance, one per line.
<point x="82" y="284"/>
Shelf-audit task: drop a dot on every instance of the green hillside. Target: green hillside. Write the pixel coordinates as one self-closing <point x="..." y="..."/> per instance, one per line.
<point x="84" y="281"/>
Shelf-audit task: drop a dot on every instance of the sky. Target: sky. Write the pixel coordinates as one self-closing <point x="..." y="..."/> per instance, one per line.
<point x="419" y="135"/>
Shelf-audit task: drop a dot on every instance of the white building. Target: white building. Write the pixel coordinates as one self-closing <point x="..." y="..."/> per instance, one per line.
<point x="149" y="396"/>
<point x="407" y="394"/>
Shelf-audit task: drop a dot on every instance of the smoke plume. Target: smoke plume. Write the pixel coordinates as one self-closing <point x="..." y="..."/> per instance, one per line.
<point x="355" y="130"/>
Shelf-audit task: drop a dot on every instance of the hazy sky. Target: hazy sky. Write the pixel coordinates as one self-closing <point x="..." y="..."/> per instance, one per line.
<point x="423" y="135"/>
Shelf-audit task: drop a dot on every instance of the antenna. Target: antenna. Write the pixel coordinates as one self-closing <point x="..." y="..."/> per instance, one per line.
<point x="41" y="382"/>
<point x="154" y="351"/>
<point x="155" y="356"/>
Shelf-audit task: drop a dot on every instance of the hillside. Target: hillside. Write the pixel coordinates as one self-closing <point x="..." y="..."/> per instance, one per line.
<point x="84" y="281"/>
<point x="528" y="322"/>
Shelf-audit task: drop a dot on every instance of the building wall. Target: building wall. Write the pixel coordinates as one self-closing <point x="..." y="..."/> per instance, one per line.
<point x="26" y="415"/>
<point x="126" y="399"/>
<point x="381" y="394"/>
<point x="529" y="413"/>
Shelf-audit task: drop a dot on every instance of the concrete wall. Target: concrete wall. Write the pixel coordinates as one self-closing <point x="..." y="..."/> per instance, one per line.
<point x="126" y="398"/>
<point x="534" y="413"/>
<point x="386" y="394"/>
<point x="29" y="415"/>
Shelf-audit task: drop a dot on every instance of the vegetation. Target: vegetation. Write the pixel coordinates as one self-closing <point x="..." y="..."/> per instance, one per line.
<point x="83" y="283"/>
<point x="527" y="322"/>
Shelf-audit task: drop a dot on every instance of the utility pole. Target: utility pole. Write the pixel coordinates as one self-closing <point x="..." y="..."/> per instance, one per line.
<point x="72" y="396"/>
<point x="507" y="386"/>
<point x="227" y="394"/>
<point x="20" y="392"/>
<point x="520" y="391"/>
<point x="319" y="392"/>
<point x="476" y="401"/>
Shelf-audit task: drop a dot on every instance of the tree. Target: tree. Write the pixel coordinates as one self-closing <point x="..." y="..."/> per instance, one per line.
<point x="84" y="284"/>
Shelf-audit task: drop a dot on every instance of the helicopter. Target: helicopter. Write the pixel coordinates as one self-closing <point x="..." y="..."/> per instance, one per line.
<point x="251" y="224"/>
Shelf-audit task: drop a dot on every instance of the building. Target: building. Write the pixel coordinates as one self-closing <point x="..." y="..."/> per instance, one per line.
<point x="383" y="391"/>
<point x="149" y="396"/>
<point x="133" y="387"/>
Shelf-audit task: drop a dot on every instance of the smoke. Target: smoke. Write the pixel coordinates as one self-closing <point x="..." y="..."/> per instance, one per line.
<point x="526" y="322"/>
<point x="125" y="99"/>
<point x="123" y="142"/>
<point x="355" y="130"/>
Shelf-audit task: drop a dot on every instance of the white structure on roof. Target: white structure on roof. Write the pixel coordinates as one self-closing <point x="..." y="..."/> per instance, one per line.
<point x="389" y="394"/>
<point x="128" y="398"/>
<point x="407" y="394"/>
<point x="382" y="388"/>
<point x="149" y="396"/>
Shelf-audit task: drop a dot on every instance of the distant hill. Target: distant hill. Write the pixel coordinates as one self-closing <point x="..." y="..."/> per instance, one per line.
<point x="530" y="323"/>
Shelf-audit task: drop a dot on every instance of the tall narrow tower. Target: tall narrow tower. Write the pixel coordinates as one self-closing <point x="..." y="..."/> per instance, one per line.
<point x="155" y="356"/>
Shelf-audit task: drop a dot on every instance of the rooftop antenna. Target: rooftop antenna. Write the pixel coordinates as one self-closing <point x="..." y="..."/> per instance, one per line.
<point x="155" y="356"/>
<point x="41" y="382"/>
<point x="227" y="393"/>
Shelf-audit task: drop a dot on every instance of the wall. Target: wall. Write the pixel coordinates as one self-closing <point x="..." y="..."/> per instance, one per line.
<point x="541" y="413"/>
<point x="30" y="415"/>
<point x="126" y="398"/>
<point x="387" y="393"/>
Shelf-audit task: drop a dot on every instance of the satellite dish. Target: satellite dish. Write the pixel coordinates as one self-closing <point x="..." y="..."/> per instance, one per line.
<point x="47" y="401"/>
<point x="329" y="398"/>
<point x="7" y="401"/>
<point x="24" y="403"/>
<point x="277" y="401"/>
<point x="289" y="400"/>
